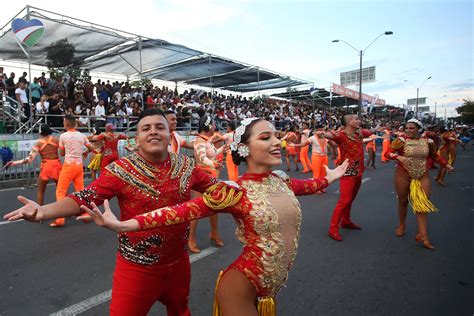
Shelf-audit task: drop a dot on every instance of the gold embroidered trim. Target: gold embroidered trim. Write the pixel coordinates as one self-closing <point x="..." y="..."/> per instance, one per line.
<point x="142" y="166"/>
<point x="131" y="179"/>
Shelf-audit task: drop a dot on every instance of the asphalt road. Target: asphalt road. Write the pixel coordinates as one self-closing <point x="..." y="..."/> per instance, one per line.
<point x="372" y="272"/>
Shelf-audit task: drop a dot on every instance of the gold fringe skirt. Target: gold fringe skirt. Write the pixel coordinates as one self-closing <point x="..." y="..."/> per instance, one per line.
<point x="265" y="305"/>
<point x="418" y="199"/>
<point x="95" y="162"/>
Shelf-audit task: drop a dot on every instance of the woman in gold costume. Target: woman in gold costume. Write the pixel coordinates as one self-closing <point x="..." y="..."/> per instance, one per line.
<point x="412" y="181"/>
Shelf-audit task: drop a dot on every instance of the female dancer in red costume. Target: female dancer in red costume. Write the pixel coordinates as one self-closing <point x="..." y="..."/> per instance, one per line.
<point x="412" y="180"/>
<point x="96" y="155"/>
<point x="448" y="152"/>
<point x="110" y="139"/>
<point x="267" y="213"/>
<point x="47" y="147"/>
<point x="205" y="155"/>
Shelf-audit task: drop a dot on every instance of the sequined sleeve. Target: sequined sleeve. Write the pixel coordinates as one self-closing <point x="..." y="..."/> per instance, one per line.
<point x="103" y="188"/>
<point x="201" y="181"/>
<point x="366" y="133"/>
<point x="434" y="154"/>
<point x="218" y="198"/>
<point x="337" y="137"/>
<point x="395" y="149"/>
<point x="308" y="186"/>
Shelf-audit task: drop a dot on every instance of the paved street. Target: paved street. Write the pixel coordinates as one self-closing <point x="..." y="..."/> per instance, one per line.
<point x="372" y="272"/>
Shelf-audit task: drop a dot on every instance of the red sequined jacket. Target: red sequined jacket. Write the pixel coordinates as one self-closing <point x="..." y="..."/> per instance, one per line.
<point x="268" y="218"/>
<point x="351" y="147"/>
<point x="141" y="186"/>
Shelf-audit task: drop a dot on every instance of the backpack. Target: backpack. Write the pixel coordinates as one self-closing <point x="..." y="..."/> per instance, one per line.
<point x="7" y="154"/>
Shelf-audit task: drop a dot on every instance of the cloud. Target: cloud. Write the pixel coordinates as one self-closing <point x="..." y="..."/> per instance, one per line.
<point x="460" y="86"/>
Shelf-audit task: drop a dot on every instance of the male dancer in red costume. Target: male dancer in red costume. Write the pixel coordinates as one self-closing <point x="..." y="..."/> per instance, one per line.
<point x="350" y="141"/>
<point x="153" y="265"/>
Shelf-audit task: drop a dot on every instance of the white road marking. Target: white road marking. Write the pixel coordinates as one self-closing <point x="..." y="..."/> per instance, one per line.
<point x="8" y="222"/>
<point x="11" y="189"/>
<point x="103" y="297"/>
<point x="363" y="181"/>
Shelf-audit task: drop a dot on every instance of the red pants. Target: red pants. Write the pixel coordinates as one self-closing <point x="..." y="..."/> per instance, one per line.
<point x="349" y="187"/>
<point x="136" y="288"/>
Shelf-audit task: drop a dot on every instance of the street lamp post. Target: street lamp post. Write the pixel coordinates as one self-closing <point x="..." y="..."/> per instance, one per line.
<point x="417" y="93"/>
<point x="361" y="52"/>
<point x="436" y="103"/>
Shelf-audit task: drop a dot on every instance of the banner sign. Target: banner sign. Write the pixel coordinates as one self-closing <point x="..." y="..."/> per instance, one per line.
<point x="349" y="93"/>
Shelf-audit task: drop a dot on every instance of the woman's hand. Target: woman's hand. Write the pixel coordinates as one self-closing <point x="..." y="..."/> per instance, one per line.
<point x="108" y="219"/>
<point x="31" y="211"/>
<point x="334" y="174"/>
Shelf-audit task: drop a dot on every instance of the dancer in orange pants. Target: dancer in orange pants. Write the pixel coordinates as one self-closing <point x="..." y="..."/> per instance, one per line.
<point x="47" y="148"/>
<point x="291" y="139"/>
<point x="385" y="144"/>
<point x="232" y="169"/>
<point x="319" y="157"/>
<point x="71" y="145"/>
<point x="304" y="149"/>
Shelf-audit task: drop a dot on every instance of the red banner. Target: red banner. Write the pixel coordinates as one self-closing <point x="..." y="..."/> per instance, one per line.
<point x="349" y="93"/>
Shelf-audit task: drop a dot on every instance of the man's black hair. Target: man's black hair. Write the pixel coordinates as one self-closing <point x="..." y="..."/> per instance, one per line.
<point x="151" y="112"/>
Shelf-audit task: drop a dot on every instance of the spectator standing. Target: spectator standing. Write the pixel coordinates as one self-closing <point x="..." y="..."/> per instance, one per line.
<point x="35" y="91"/>
<point x="100" y="116"/>
<point x="11" y="86"/>
<point x="22" y="100"/>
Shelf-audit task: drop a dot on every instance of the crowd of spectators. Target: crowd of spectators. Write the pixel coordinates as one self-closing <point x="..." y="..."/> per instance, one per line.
<point x="96" y="104"/>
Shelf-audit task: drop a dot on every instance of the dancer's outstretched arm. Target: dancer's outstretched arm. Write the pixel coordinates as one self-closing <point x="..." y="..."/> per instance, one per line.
<point x="33" y="212"/>
<point x="218" y="198"/>
<point x="311" y="186"/>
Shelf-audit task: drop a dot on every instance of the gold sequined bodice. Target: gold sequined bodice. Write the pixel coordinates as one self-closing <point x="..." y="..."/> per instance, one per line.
<point x="416" y="151"/>
<point x="275" y="218"/>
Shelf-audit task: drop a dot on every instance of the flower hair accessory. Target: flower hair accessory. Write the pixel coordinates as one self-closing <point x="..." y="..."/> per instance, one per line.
<point x="243" y="150"/>
<point x="239" y="132"/>
<point x="415" y="121"/>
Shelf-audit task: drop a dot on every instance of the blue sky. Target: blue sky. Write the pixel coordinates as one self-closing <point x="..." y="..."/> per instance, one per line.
<point x="431" y="38"/>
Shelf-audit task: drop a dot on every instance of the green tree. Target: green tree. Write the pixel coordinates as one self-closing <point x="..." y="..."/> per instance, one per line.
<point x="467" y="111"/>
<point x="60" y="59"/>
<point x="139" y="83"/>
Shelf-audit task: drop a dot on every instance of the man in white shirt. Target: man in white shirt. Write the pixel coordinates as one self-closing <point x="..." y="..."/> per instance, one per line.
<point x="42" y="107"/>
<point x="22" y="100"/>
<point x="100" y="116"/>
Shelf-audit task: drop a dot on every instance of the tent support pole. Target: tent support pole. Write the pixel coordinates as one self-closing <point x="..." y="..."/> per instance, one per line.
<point x="29" y="75"/>
<point x="258" y="80"/>
<point x="141" y="70"/>
<point x="210" y="77"/>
